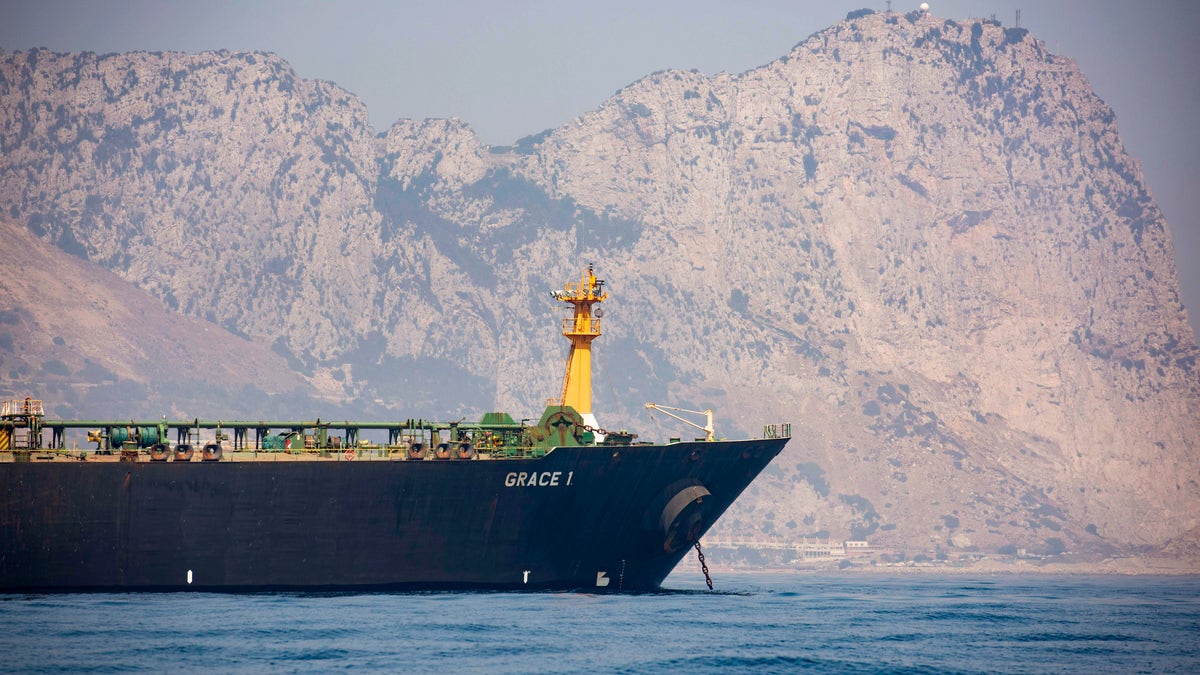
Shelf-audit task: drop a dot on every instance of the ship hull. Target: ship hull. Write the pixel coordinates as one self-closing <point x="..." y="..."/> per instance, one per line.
<point x="611" y="518"/>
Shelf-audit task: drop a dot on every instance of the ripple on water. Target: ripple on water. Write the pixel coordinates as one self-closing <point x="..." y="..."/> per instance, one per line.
<point x="759" y="623"/>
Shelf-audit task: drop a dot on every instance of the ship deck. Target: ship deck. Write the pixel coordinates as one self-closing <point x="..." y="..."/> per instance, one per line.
<point x="362" y="454"/>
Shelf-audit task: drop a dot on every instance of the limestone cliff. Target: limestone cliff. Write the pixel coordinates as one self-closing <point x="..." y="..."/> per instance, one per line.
<point x="919" y="240"/>
<point x="94" y="346"/>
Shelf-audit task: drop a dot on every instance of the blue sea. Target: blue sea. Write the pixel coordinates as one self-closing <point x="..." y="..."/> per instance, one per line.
<point x="832" y="623"/>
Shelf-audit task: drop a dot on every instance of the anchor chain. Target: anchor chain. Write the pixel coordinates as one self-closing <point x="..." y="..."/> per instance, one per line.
<point x="703" y="566"/>
<point x="594" y="430"/>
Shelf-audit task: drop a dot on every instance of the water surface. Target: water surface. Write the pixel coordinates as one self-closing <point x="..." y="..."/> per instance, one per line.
<point x="850" y="623"/>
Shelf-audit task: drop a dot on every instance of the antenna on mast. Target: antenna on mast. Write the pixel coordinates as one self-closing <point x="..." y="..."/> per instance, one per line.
<point x="581" y="328"/>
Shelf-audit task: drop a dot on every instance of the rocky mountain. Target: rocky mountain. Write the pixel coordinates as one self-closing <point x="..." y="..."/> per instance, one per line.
<point x="97" y="347"/>
<point x="918" y="240"/>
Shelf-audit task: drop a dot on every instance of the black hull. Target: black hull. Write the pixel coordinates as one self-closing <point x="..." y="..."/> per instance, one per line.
<point x="595" y="518"/>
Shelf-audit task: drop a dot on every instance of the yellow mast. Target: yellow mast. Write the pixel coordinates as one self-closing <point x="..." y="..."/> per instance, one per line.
<point x="581" y="329"/>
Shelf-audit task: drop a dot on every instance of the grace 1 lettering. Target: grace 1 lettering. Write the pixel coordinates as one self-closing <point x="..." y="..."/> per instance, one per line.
<point x="537" y="478"/>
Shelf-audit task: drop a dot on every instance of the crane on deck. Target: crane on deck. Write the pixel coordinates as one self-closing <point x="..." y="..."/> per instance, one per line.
<point x="709" y="434"/>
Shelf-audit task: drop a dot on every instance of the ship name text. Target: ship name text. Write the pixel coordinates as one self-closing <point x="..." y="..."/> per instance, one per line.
<point x="537" y="478"/>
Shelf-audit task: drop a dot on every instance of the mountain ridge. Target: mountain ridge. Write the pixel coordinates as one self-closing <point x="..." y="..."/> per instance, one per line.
<point x="921" y="236"/>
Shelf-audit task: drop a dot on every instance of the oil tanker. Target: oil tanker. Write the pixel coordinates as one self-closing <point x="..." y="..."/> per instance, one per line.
<point x="316" y="505"/>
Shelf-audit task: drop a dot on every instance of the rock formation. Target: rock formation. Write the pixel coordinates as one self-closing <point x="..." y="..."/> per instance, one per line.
<point x="918" y="240"/>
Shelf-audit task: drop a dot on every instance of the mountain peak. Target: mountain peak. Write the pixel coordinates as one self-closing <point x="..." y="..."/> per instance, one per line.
<point x="919" y="240"/>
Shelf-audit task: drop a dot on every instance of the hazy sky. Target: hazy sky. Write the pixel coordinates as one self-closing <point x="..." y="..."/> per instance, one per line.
<point x="513" y="68"/>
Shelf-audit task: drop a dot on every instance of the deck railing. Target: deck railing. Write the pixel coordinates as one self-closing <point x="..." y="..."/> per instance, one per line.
<point x="21" y="406"/>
